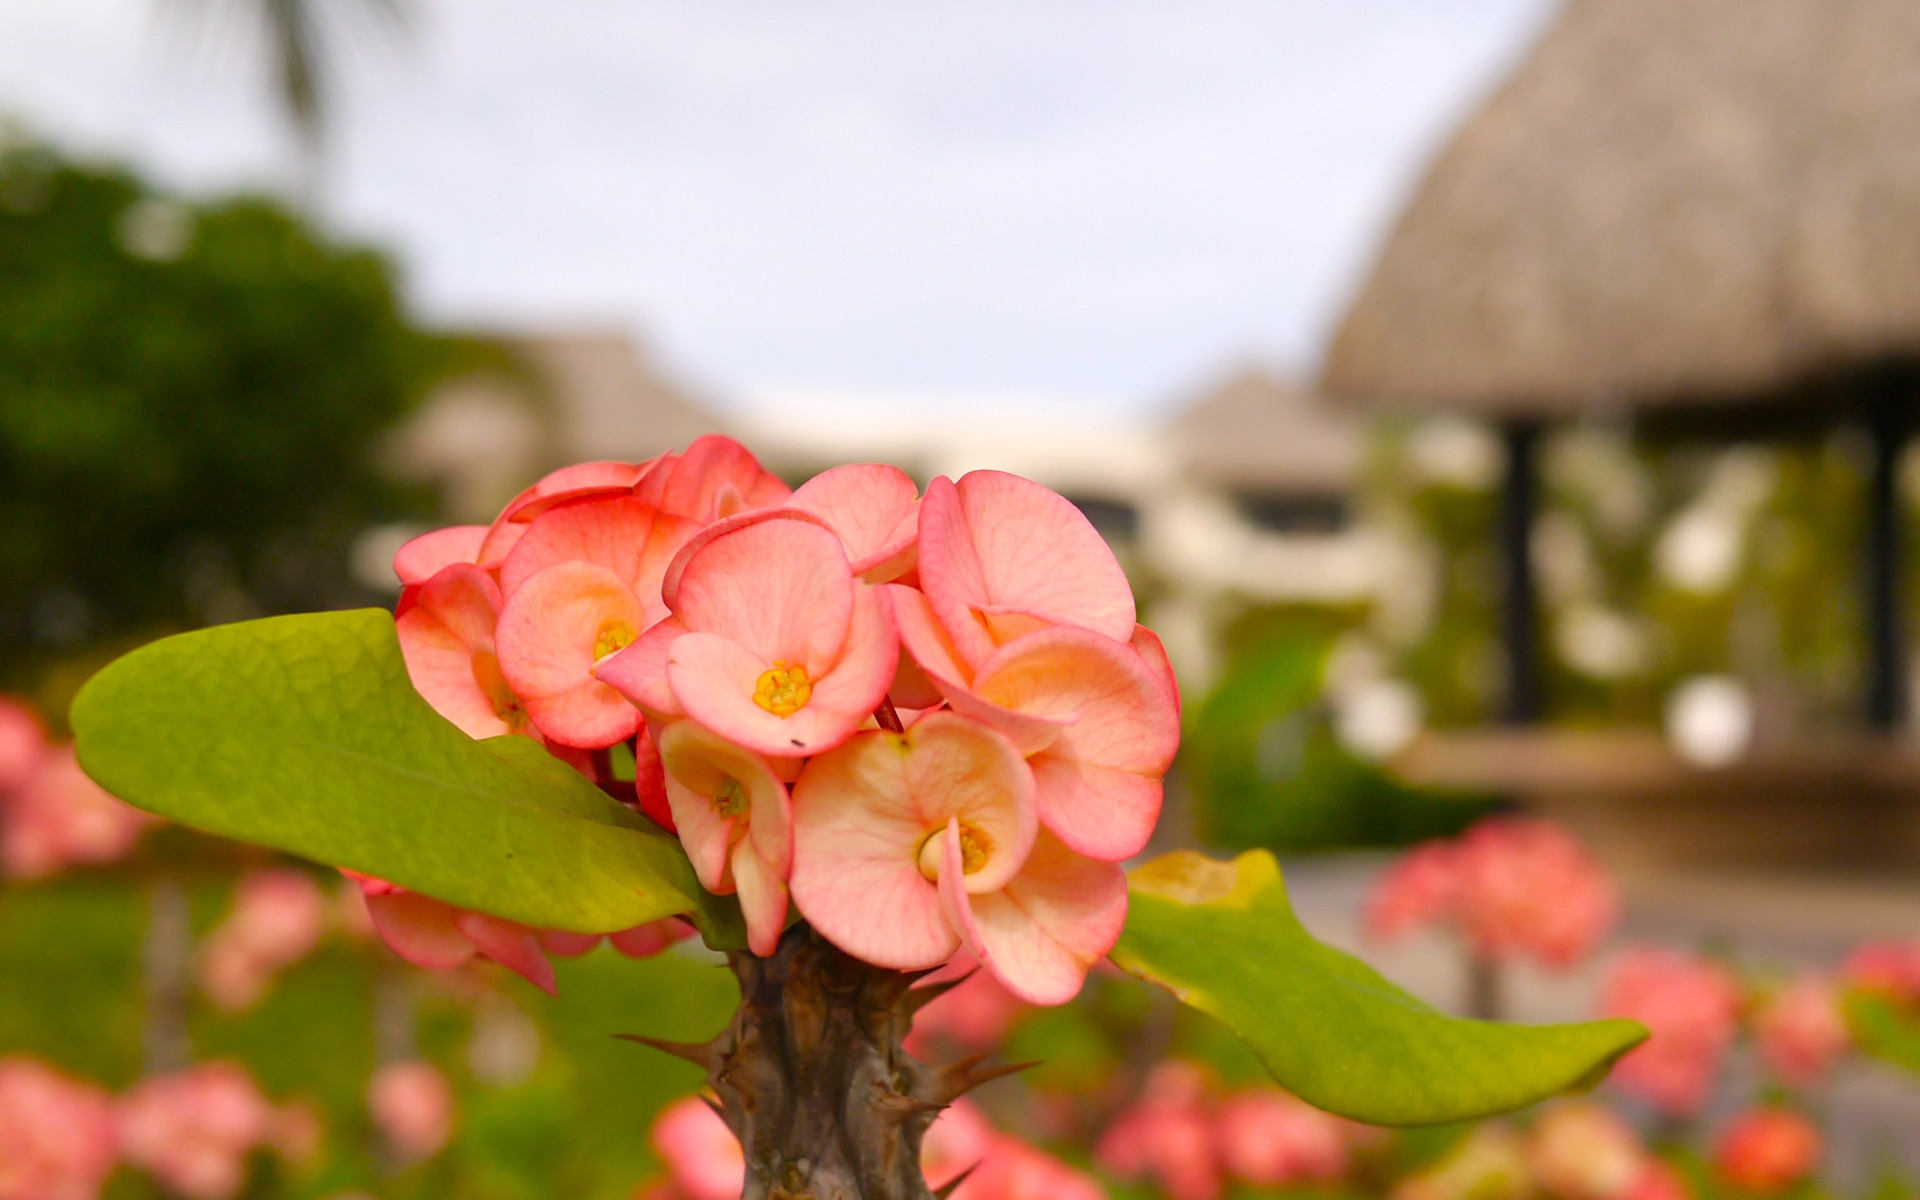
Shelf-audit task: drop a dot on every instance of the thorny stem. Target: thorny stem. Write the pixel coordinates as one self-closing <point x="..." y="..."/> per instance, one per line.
<point x="813" y="1080"/>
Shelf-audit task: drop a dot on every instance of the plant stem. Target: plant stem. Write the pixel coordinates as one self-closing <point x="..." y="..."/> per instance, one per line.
<point x="813" y="1080"/>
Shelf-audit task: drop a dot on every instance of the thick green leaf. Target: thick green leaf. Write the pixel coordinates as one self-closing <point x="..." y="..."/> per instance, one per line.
<point x="304" y="733"/>
<point x="1223" y="938"/>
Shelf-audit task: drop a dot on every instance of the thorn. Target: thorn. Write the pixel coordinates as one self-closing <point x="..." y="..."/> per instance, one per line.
<point x="955" y="1080"/>
<point x="918" y="998"/>
<point x="700" y="1054"/>
<point x="717" y="1111"/>
<point x="947" y="1189"/>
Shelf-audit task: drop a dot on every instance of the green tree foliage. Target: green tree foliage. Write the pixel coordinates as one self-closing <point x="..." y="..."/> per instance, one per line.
<point x="189" y="394"/>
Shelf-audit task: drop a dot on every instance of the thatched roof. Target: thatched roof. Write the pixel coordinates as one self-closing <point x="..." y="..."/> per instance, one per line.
<point x="1254" y="432"/>
<point x="1669" y="201"/>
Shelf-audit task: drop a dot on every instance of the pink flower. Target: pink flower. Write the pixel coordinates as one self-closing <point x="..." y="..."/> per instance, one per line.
<point x="1002" y="1166"/>
<point x="1658" y="1181"/>
<point x="447" y="639"/>
<point x="1167" y="1134"/>
<point x="1767" y="1150"/>
<point x="1526" y="886"/>
<point x="56" y="1134"/>
<point x="1421" y="888"/>
<point x="1801" y="1030"/>
<point x="1888" y="967"/>
<point x="1581" y="1151"/>
<point x="193" y="1131"/>
<point x="23" y="745"/>
<point x="1001" y="556"/>
<point x="1691" y="1006"/>
<point x="277" y="920"/>
<point x="439" y="936"/>
<point x="1269" y="1138"/>
<point x="580" y="481"/>
<point x="431" y="553"/>
<point x="735" y="820"/>
<point x="907" y="846"/>
<point x="773" y="644"/>
<point x="875" y="510"/>
<point x="716" y="477"/>
<point x="62" y="818"/>
<point x="412" y="1105"/>
<point x="975" y="1015"/>
<point x="702" y="1155"/>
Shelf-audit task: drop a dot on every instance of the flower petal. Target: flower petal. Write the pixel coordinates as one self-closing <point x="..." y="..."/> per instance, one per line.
<point x="780" y="588"/>
<point x="510" y="944"/>
<point x="418" y="928"/>
<point x="631" y="539"/>
<point x="640" y="671"/>
<point x="1152" y="651"/>
<point x="763" y="898"/>
<point x="446" y="639"/>
<point x="716" y="477"/>
<point x="924" y="640"/>
<point x="425" y="556"/>
<point x="1041" y="933"/>
<point x="874" y="509"/>
<point x="698" y="764"/>
<point x="998" y="542"/>
<point x="547" y="640"/>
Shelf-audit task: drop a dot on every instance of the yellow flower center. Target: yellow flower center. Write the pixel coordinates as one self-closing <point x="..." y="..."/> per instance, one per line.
<point x="731" y="799"/>
<point x="974" y="851"/>
<point x="783" y="690"/>
<point x="615" y="635"/>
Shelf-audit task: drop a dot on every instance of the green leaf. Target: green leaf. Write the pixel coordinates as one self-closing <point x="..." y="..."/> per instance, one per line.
<point x="1223" y="938"/>
<point x="304" y="733"/>
<point x="1884" y="1028"/>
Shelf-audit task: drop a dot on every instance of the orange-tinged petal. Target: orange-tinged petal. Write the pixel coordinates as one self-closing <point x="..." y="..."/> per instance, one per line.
<point x="874" y="509"/>
<point x="430" y="553"/>
<point x="1152" y="651"/>
<point x="1043" y="932"/>
<point x="552" y="632"/>
<point x="922" y="637"/>
<point x="670" y="583"/>
<point x="447" y="640"/>
<point x="779" y="588"/>
<point x="618" y="532"/>
<point x="577" y="479"/>
<point x="419" y="928"/>
<point x="715" y="788"/>
<point x="997" y="544"/>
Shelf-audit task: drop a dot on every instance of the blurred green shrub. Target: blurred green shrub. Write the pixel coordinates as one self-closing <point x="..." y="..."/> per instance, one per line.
<point x="189" y="397"/>
<point x="1265" y="769"/>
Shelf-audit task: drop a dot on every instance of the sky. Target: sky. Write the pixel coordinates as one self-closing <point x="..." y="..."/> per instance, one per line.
<point x="1065" y="204"/>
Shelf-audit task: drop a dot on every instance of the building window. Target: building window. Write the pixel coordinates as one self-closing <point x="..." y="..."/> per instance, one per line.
<point x="1294" y="512"/>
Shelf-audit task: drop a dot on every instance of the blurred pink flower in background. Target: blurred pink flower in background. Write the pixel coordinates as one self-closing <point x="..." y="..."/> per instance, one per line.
<point x="1421" y="888"/>
<point x="1489" y="1164"/>
<point x="277" y="918"/>
<point x="1888" y="967"/>
<point x="1767" y="1150"/>
<point x="1003" y="1166"/>
<point x="412" y="1105"/>
<point x="23" y="745"/>
<point x="703" y="1157"/>
<point x="976" y="1015"/>
<point x="1510" y="885"/>
<point x="60" y="818"/>
<point x="1691" y="1006"/>
<point x="56" y="1134"/>
<point x="1801" y="1030"/>
<point x="1658" y="1180"/>
<point x="1167" y="1134"/>
<point x="1580" y="1151"/>
<point x="193" y="1130"/>
<point x="1270" y="1138"/>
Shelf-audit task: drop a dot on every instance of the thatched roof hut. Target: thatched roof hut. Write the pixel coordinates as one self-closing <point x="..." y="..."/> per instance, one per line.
<point x="1253" y="432"/>
<point x="1669" y="202"/>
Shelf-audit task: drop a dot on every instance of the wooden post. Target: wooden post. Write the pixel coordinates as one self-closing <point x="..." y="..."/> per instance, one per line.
<point x="1519" y="602"/>
<point x="1888" y="396"/>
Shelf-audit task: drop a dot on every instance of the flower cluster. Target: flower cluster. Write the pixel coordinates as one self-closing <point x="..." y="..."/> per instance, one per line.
<point x="51" y="815"/>
<point x="1510" y="885"/>
<point x="1191" y="1141"/>
<point x="705" y="1162"/>
<point x="924" y="722"/>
